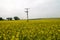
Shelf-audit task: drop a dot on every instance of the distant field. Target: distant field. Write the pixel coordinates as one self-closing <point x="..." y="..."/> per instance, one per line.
<point x="32" y="30"/>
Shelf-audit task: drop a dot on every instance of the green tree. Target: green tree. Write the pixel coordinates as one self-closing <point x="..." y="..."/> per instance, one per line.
<point x="9" y="18"/>
<point x="1" y="18"/>
<point x="16" y="18"/>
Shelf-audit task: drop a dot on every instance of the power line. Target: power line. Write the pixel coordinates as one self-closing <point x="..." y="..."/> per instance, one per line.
<point x="27" y="11"/>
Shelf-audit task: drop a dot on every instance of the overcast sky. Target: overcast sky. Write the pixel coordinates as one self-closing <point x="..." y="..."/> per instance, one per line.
<point x="38" y="8"/>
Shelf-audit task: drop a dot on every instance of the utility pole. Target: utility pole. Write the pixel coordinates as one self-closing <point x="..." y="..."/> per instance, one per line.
<point x="27" y="13"/>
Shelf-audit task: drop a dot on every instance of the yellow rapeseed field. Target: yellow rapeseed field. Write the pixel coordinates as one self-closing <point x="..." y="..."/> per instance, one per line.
<point x="32" y="30"/>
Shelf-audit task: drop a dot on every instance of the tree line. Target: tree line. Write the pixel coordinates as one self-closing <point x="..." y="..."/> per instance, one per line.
<point x="10" y="18"/>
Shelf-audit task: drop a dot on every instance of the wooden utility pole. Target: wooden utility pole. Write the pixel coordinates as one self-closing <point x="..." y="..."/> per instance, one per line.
<point x="27" y="13"/>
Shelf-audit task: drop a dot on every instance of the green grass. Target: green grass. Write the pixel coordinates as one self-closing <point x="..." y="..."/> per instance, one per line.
<point x="32" y="30"/>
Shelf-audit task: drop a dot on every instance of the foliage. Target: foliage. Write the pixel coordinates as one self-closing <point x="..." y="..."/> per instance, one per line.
<point x="1" y="18"/>
<point x="9" y="18"/>
<point x="32" y="30"/>
<point x="16" y="18"/>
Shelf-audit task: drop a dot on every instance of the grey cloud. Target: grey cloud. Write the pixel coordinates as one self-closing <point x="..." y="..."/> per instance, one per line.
<point x="38" y="8"/>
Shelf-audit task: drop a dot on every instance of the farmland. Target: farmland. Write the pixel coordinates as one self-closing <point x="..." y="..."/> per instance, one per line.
<point x="32" y="30"/>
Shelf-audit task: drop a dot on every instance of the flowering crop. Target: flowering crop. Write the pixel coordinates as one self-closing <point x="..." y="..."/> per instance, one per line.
<point x="32" y="30"/>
